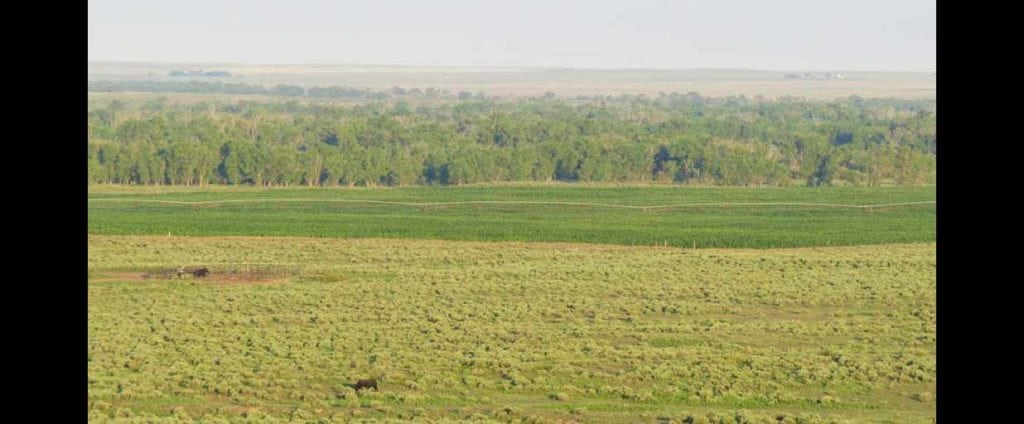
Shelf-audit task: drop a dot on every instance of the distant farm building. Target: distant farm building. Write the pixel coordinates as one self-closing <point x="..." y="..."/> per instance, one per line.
<point x="199" y="73"/>
<point x="816" y="76"/>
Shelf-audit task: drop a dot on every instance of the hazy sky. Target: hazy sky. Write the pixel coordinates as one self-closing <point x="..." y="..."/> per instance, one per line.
<point x="896" y="35"/>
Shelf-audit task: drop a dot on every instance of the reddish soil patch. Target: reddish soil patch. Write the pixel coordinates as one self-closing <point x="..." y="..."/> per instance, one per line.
<point x="213" y="278"/>
<point x="118" y="276"/>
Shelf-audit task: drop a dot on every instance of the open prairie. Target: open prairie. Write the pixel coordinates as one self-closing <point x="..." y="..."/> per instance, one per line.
<point x="510" y="332"/>
<point x="528" y="305"/>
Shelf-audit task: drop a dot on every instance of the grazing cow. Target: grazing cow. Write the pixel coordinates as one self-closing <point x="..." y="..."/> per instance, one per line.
<point x="365" y="384"/>
<point x="201" y="272"/>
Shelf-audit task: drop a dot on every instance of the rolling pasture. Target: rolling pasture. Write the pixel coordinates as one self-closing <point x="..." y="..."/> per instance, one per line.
<point x="672" y="216"/>
<point x="459" y="331"/>
<point x="512" y="303"/>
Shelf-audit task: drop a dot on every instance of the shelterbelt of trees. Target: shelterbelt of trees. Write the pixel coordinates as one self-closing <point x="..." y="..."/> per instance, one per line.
<point x="415" y="137"/>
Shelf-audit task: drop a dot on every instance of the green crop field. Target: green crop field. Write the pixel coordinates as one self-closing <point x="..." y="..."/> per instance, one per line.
<point x="672" y="216"/>
<point x="459" y="331"/>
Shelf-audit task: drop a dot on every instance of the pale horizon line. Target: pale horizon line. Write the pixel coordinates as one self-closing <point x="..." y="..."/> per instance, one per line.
<point x="516" y="67"/>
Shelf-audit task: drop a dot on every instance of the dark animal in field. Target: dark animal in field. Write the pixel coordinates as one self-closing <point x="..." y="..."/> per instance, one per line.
<point x="201" y="272"/>
<point x="365" y="384"/>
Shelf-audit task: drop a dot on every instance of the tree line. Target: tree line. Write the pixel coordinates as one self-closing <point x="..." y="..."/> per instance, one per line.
<point x="284" y="90"/>
<point x="464" y="139"/>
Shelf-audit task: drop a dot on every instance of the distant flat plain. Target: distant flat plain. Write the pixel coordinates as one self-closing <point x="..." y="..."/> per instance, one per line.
<point x="538" y="81"/>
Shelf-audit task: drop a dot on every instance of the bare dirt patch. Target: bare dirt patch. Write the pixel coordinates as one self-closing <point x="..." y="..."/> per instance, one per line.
<point x="229" y="278"/>
<point x="106" y="277"/>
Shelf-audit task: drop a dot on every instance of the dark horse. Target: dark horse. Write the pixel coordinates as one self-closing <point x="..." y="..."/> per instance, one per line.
<point x="365" y="384"/>
<point x="201" y="272"/>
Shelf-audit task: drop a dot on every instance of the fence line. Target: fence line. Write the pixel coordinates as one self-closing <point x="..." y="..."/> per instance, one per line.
<point x="516" y="202"/>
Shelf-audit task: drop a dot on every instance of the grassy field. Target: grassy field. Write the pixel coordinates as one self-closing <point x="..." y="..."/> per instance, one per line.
<point x="507" y="332"/>
<point x="675" y="216"/>
<point x="513" y="303"/>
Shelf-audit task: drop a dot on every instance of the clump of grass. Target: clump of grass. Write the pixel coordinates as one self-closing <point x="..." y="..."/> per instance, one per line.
<point x="96" y="415"/>
<point x="828" y="400"/>
<point x="560" y="396"/>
